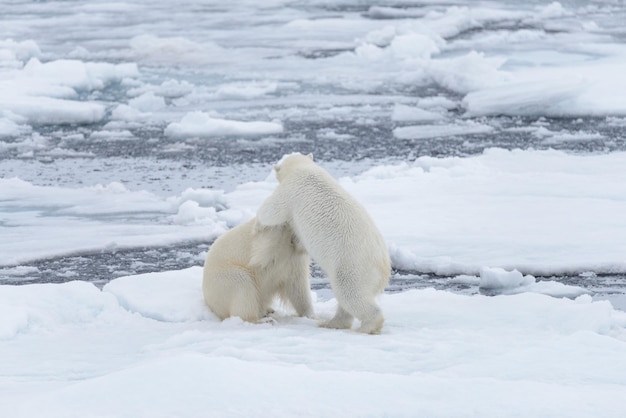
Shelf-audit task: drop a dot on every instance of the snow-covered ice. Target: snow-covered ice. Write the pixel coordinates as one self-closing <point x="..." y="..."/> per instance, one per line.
<point x="541" y="212"/>
<point x="146" y="346"/>
<point x="486" y="139"/>
<point x="203" y="125"/>
<point x="512" y="282"/>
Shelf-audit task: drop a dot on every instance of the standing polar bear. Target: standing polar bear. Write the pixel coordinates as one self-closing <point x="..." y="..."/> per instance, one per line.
<point x="249" y="265"/>
<point x="339" y="235"/>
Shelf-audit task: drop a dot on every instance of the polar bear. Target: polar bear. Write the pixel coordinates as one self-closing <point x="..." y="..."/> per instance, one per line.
<point x="339" y="235"/>
<point x="249" y="265"/>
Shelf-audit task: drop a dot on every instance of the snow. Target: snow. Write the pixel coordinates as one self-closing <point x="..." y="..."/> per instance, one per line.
<point x="246" y="90"/>
<point x="108" y="216"/>
<point x="153" y="296"/>
<point x="146" y="346"/>
<point x="173" y="50"/>
<point x="474" y="199"/>
<point x="9" y="128"/>
<point x="438" y="131"/>
<point x="451" y="215"/>
<point x="403" y="113"/>
<point x="512" y="282"/>
<point x="46" y="93"/>
<point x="202" y="125"/>
<point x="147" y="102"/>
<point x="81" y="80"/>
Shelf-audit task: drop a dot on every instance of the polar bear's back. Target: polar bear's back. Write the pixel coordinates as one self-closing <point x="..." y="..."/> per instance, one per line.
<point x="233" y="247"/>
<point x="244" y="246"/>
<point x="247" y="266"/>
<point x="333" y="226"/>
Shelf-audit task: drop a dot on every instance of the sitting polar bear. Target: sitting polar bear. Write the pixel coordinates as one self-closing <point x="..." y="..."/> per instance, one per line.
<point x="339" y="235"/>
<point x="249" y="265"/>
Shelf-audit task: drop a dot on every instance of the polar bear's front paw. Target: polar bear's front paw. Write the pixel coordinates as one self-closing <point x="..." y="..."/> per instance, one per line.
<point x="267" y="320"/>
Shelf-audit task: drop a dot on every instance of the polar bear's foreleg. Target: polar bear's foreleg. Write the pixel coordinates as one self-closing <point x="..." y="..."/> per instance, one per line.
<point x="299" y="295"/>
<point x="300" y="289"/>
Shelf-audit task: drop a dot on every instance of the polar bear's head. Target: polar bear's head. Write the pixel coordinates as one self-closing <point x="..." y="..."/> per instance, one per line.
<point x="289" y="162"/>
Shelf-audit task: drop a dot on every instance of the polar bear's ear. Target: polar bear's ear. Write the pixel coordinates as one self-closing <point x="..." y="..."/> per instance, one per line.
<point x="310" y="157"/>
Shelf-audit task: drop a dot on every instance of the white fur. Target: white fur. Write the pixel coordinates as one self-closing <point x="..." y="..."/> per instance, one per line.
<point x="249" y="265"/>
<point x="337" y="232"/>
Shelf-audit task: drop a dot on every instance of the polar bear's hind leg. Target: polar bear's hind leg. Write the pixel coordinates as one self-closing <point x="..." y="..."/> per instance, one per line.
<point x="372" y="320"/>
<point x="365" y="309"/>
<point x="239" y="296"/>
<point x="342" y="320"/>
<point x="357" y="301"/>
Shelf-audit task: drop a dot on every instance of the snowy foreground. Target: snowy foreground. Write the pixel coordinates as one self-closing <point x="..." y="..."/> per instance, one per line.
<point x="146" y="346"/>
